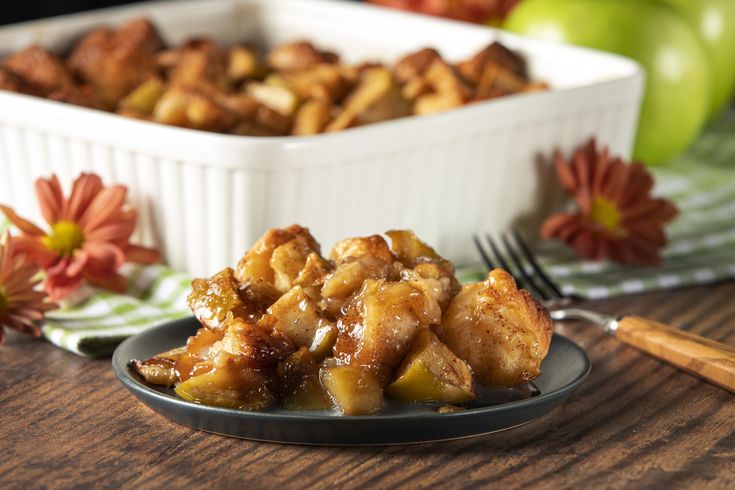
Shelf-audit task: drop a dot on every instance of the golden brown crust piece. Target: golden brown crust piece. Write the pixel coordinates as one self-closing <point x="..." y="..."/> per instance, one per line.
<point x="324" y="82"/>
<point x="358" y="247"/>
<point x="415" y="64"/>
<point x="81" y="95"/>
<point x="501" y="331"/>
<point x="377" y="97"/>
<point x="159" y="369"/>
<point x="198" y="62"/>
<point x="297" y="56"/>
<point x="449" y="90"/>
<point x="10" y="82"/>
<point x="494" y="54"/>
<point x="38" y="71"/>
<point x="116" y="61"/>
<point x="256" y="263"/>
<point x="195" y="107"/>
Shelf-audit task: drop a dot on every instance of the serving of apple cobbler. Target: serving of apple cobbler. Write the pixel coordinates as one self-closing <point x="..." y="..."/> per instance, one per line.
<point x="373" y="320"/>
<point x="294" y="88"/>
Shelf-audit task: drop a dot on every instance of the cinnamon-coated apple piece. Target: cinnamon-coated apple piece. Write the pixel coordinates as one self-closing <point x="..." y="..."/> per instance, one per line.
<point x="297" y="315"/>
<point x="311" y="118"/>
<point x="211" y="300"/>
<point x="243" y="63"/>
<point x="355" y="390"/>
<point x="432" y="372"/>
<point x="380" y="323"/>
<point x="199" y="351"/>
<point x="349" y="277"/>
<point x="231" y="383"/>
<point x="376" y="98"/>
<point x="299" y="385"/>
<point x="159" y="369"/>
<point x="198" y="62"/>
<point x="144" y="98"/>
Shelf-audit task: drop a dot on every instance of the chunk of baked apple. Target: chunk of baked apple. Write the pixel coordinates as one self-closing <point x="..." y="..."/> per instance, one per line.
<point x="355" y="390"/>
<point x="432" y="372"/>
<point x="299" y="385"/>
<point x="230" y="383"/>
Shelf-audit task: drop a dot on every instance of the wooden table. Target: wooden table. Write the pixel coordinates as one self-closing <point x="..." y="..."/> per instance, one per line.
<point x="66" y="421"/>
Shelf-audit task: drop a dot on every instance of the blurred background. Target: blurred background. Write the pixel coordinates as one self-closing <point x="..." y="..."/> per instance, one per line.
<point x="38" y="9"/>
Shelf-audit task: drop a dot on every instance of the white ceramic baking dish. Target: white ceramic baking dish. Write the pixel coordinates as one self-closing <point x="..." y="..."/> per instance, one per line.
<point x="204" y="197"/>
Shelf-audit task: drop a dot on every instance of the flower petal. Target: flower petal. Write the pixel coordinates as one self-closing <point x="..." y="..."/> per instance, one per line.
<point x="59" y="286"/>
<point x="115" y="282"/>
<point x="565" y="175"/>
<point x="21" y="223"/>
<point x="35" y="251"/>
<point x="554" y="223"/>
<point x="142" y="255"/>
<point x="104" y="255"/>
<point x="50" y="198"/>
<point x="83" y="192"/>
<point x="117" y="231"/>
<point x="77" y="263"/>
<point x="108" y="202"/>
<point x="581" y="166"/>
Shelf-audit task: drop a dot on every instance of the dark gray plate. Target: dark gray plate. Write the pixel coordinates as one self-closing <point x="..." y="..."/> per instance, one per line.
<point x="564" y="369"/>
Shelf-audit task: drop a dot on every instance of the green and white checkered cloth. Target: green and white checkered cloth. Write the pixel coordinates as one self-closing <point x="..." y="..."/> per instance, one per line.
<point x="701" y="246"/>
<point x="94" y="326"/>
<point x="701" y="250"/>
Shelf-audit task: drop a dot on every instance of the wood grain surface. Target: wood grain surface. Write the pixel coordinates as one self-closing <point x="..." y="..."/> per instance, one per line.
<point x="66" y="422"/>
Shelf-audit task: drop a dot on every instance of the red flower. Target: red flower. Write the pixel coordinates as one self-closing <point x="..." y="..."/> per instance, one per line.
<point x="617" y="218"/>
<point x="21" y="306"/>
<point x="89" y="236"/>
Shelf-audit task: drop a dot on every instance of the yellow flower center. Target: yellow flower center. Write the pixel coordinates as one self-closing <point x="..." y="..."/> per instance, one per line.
<point x="4" y="302"/>
<point x="65" y="238"/>
<point x="605" y="213"/>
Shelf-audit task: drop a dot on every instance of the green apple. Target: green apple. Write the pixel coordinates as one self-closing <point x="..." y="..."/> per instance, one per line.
<point x="677" y="98"/>
<point x="714" y="22"/>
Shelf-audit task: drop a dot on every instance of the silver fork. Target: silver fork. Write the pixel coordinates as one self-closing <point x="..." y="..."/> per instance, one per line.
<point x="702" y="357"/>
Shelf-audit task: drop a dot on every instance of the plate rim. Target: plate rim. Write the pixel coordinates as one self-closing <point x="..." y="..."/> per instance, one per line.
<point x="129" y="381"/>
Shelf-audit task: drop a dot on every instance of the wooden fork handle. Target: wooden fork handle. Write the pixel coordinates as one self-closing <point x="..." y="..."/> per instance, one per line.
<point x="705" y="358"/>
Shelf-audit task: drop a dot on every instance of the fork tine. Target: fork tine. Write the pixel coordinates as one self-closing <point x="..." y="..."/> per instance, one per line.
<point x="520" y="280"/>
<point x="534" y="289"/>
<point x="483" y="253"/>
<point x="535" y="265"/>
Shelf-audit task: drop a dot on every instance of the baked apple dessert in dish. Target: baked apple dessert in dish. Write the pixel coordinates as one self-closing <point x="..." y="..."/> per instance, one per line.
<point x="294" y="88"/>
<point x="373" y="320"/>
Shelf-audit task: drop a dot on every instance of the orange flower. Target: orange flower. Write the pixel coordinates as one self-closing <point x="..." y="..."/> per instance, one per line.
<point x="617" y="218"/>
<point x="21" y="306"/>
<point x="89" y="236"/>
